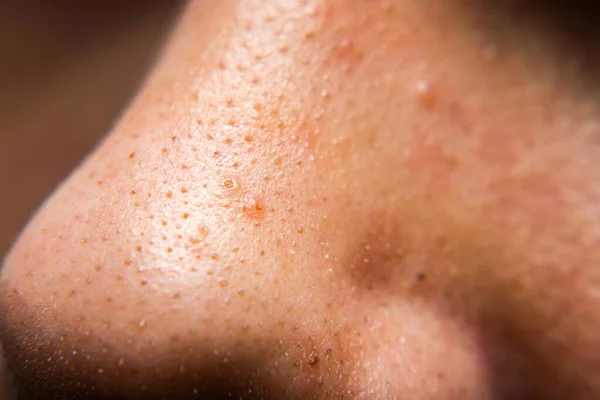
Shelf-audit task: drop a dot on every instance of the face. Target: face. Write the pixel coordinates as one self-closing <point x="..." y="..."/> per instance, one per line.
<point x="329" y="199"/>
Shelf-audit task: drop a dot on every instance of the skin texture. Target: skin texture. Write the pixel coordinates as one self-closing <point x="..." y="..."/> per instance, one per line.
<point x="328" y="199"/>
<point x="68" y="69"/>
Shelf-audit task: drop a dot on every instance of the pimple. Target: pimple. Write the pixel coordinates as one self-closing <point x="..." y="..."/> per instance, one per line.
<point x="254" y="208"/>
<point x="346" y="51"/>
<point x="426" y="94"/>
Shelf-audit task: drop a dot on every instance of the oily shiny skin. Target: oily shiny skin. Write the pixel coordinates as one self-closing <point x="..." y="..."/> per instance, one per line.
<point x="326" y="199"/>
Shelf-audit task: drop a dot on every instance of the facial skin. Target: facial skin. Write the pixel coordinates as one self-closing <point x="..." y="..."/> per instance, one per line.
<point x="327" y="199"/>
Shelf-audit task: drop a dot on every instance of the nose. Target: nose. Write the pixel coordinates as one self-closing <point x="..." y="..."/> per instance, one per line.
<point x="140" y="278"/>
<point x="249" y="230"/>
<point x="198" y="254"/>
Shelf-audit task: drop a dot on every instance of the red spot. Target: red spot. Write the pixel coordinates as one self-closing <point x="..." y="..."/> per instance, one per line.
<point x="324" y="12"/>
<point x="427" y="95"/>
<point x="254" y="207"/>
<point x="345" y="52"/>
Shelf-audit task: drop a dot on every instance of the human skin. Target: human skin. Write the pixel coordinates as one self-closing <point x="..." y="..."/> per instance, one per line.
<point x="328" y="199"/>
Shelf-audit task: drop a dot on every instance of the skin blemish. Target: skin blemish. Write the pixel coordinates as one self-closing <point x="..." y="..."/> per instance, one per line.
<point x="346" y="53"/>
<point x="254" y="208"/>
<point x="313" y="360"/>
<point x="426" y="95"/>
<point x="230" y="184"/>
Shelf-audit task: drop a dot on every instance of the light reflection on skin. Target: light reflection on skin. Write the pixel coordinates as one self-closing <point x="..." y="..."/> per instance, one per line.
<point x="312" y="199"/>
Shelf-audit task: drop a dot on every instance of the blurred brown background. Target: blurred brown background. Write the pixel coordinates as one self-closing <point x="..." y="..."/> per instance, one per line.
<point x="67" y="68"/>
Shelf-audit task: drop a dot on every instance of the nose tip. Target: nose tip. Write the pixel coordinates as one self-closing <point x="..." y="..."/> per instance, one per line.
<point x="57" y="359"/>
<point x="78" y="321"/>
